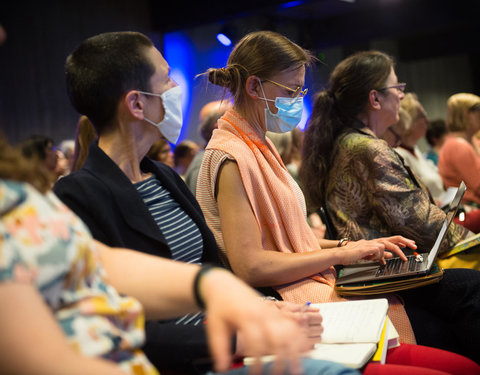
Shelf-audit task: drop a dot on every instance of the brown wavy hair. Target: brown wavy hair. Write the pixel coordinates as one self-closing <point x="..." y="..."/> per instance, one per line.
<point x="14" y="166"/>
<point x="335" y="111"/>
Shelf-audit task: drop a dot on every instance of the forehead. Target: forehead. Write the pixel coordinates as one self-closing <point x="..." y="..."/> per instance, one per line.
<point x="392" y="77"/>
<point x="294" y="77"/>
<point x="161" y="66"/>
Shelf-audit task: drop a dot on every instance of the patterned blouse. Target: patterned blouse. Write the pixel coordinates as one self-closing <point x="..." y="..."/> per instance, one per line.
<point x="370" y="194"/>
<point x="44" y="244"/>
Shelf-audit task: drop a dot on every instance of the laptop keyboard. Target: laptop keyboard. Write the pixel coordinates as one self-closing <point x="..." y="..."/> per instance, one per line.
<point x="396" y="265"/>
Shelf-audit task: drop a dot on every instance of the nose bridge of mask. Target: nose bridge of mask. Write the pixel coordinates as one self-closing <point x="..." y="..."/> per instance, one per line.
<point x="290" y="107"/>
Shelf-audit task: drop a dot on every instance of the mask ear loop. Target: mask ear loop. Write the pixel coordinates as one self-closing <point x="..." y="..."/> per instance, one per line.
<point x="265" y="98"/>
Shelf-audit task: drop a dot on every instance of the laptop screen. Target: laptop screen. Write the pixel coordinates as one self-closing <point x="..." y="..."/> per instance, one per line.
<point x="433" y="253"/>
<point x="452" y="211"/>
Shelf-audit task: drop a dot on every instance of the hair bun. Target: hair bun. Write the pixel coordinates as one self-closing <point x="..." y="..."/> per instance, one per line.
<point x="220" y="77"/>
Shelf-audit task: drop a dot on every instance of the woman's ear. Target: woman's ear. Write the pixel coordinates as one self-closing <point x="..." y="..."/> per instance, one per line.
<point x="134" y="103"/>
<point x="252" y="86"/>
<point x="373" y="100"/>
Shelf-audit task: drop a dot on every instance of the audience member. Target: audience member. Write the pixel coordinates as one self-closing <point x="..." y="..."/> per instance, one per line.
<point x="183" y="155"/>
<point x="394" y="134"/>
<point x="283" y="143"/>
<point x="42" y="148"/>
<point x="126" y="199"/>
<point x="435" y="136"/>
<point x="67" y="146"/>
<point x="361" y="181"/>
<point x="62" y="168"/>
<point x="408" y="149"/>
<point x="84" y="135"/>
<point x="257" y="211"/>
<point x="209" y="108"/>
<point x="209" y="115"/>
<point x="458" y="159"/>
<point x="162" y="152"/>
<point x="65" y="316"/>
<point x="296" y="160"/>
<point x="369" y="193"/>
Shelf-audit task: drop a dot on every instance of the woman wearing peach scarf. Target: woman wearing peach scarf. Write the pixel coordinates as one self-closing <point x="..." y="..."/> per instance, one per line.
<point x="252" y="204"/>
<point x="257" y="211"/>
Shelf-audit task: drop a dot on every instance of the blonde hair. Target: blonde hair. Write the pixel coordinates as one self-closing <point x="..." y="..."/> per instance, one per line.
<point x="411" y="105"/>
<point x="404" y="124"/>
<point x="458" y="106"/>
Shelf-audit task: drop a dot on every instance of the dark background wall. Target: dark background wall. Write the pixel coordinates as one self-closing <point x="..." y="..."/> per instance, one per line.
<point x="435" y="43"/>
<point x="40" y="34"/>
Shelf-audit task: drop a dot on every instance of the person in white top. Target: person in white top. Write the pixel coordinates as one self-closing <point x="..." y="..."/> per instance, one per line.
<point x="425" y="169"/>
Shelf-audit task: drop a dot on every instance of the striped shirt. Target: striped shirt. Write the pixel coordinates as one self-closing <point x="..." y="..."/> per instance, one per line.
<point x="180" y="231"/>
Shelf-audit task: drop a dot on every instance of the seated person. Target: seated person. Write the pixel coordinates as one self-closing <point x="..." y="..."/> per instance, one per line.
<point x="65" y="316"/>
<point x="408" y="147"/>
<point x="209" y="115"/>
<point x="458" y="159"/>
<point x="162" y="152"/>
<point x="42" y="148"/>
<point x="435" y="136"/>
<point x="257" y="211"/>
<point x="469" y="217"/>
<point x="183" y="155"/>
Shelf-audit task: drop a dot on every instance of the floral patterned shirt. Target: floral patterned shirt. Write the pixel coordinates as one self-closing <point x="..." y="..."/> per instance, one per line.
<point x="370" y="194"/>
<point x="44" y="244"/>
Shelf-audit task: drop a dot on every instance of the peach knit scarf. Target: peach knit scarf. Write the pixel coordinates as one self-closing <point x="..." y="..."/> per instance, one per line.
<point x="279" y="208"/>
<point x="277" y="201"/>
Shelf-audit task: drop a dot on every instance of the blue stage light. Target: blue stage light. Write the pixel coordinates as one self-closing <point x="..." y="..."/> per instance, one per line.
<point x="291" y="4"/>
<point x="223" y="39"/>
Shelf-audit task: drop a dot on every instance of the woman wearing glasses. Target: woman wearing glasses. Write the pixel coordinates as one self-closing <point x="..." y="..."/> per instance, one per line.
<point x="250" y="201"/>
<point x="363" y="183"/>
<point x="369" y="192"/>
<point x="257" y="211"/>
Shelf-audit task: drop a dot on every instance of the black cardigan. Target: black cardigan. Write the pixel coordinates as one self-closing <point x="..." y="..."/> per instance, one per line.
<point x="105" y="199"/>
<point x="116" y="215"/>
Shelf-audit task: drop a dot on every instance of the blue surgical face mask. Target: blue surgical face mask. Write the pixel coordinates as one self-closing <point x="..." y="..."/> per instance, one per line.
<point x="288" y="115"/>
<point x="171" y="125"/>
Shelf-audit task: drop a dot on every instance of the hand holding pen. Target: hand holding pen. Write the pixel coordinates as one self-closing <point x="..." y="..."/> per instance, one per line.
<point x="307" y="315"/>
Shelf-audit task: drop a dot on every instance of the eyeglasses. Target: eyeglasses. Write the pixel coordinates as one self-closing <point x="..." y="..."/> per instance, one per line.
<point x="399" y="86"/>
<point x="296" y="93"/>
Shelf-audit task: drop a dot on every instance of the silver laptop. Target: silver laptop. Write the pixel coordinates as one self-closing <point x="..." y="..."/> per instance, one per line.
<point x="395" y="267"/>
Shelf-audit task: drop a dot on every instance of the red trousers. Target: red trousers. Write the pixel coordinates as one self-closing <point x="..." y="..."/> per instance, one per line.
<point x="422" y="360"/>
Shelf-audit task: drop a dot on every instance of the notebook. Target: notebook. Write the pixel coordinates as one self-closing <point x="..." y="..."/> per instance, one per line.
<point x="395" y="267"/>
<point x="353" y="330"/>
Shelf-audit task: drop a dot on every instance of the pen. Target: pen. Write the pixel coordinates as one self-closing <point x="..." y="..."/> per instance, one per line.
<point x="305" y="307"/>
<point x="418" y="257"/>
